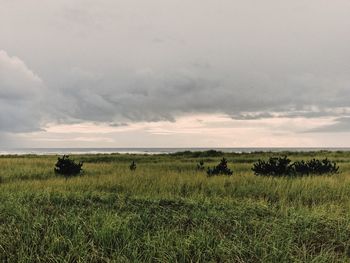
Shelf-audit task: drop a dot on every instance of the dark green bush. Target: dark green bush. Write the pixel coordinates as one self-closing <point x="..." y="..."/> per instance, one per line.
<point x="132" y="166"/>
<point x="301" y="167"/>
<point x="67" y="167"/>
<point x="200" y="165"/>
<point x="275" y="166"/>
<point x="220" y="169"/>
<point x="211" y="153"/>
<point x="282" y="166"/>
<point x="198" y="154"/>
<point x="314" y="166"/>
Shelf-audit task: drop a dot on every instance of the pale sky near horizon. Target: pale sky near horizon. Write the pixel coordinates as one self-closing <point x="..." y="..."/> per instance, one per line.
<point x="167" y="73"/>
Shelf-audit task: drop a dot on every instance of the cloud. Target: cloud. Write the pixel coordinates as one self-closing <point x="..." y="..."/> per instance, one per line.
<point x="148" y="95"/>
<point x="338" y="125"/>
<point x="205" y="130"/>
<point x="20" y="96"/>
<point x="131" y="61"/>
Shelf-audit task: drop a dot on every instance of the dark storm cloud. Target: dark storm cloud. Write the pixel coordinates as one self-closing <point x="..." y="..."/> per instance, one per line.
<point x="121" y="61"/>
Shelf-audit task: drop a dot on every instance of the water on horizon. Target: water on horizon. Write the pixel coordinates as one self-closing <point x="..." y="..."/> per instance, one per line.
<point x="54" y="151"/>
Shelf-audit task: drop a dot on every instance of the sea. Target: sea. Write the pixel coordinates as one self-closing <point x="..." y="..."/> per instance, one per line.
<point x="60" y="151"/>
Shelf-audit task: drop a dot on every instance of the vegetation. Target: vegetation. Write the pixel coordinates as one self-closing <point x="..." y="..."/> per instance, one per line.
<point x="168" y="211"/>
<point x="275" y="166"/>
<point x="198" y="154"/>
<point x="67" y="167"/>
<point x="282" y="166"/>
<point x="132" y="166"/>
<point x="200" y="166"/>
<point x="314" y="166"/>
<point x="220" y="169"/>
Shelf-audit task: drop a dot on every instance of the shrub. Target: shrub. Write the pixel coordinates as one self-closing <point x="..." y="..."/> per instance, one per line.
<point x="314" y="166"/>
<point x="212" y="153"/>
<point x="301" y="168"/>
<point x="198" y="154"/>
<point x="282" y="166"/>
<point x="200" y="165"/>
<point x="132" y="166"/>
<point x="67" y="167"/>
<point x="220" y="169"/>
<point x="275" y="166"/>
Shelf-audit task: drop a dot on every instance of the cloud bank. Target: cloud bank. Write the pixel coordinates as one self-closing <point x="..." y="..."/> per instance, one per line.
<point x="123" y="62"/>
<point x="20" y="96"/>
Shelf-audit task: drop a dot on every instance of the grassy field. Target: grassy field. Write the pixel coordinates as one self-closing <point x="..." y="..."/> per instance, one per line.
<point x="167" y="211"/>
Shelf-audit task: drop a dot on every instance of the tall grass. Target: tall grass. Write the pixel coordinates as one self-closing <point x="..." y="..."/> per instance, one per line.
<point x="168" y="211"/>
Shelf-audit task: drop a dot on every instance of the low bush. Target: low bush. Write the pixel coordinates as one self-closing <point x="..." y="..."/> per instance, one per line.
<point x="315" y="166"/>
<point x="275" y="166"/>
<point x="301" y="167"/>
<point x="67" y="167"/>
<point x="198" y="154"/>
<point x="220" y="169"/>
<point x="132" y="166"/>
<point x="282" y="166"/>
<point x="200" y="165"/>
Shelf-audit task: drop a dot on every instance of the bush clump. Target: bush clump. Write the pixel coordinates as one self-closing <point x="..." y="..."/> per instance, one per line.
<point x="282" y="166"/>
<point x="315" y="166"/>
<point x="67" y="167"/>
<point x="275" y="166"/>
<point x="198" y="154"/>
<point x="220" y="169"/>
<point x="132" y="166"/>
<point x="200" y="165"/>
<point x="301" y="167"/>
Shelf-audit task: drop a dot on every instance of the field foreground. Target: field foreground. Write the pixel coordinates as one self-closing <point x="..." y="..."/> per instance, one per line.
<point x="167" y="211"/>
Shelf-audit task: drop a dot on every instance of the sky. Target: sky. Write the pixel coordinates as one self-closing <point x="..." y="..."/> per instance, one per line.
<point x="174" y="73"/>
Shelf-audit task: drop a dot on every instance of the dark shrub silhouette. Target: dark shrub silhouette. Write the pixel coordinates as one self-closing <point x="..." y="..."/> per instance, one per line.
<point x="275" y="166"/>
<point x="220" y="169"/>
<point x="301" y="168"/>
<point x="200" y="165"/>
<point x="132" y="166"/>
<point x="314" y="166"/>
<point x="212" y="153"/>
<point x="282" y="166"/>
<point x="198" y="154"/>
<point x="67" y="167"/>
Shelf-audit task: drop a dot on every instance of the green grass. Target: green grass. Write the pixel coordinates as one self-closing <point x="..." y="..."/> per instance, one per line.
<point x="167" y="211"/>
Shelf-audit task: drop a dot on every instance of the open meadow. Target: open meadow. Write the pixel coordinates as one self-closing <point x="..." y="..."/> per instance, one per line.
<point x="168" y="211"/>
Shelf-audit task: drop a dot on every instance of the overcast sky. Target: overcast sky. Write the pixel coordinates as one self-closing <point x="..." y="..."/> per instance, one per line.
<point x="174" y="73"/>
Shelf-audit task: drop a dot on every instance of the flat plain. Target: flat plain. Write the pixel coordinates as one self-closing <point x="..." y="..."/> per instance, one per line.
<point x="168" y="211"/>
